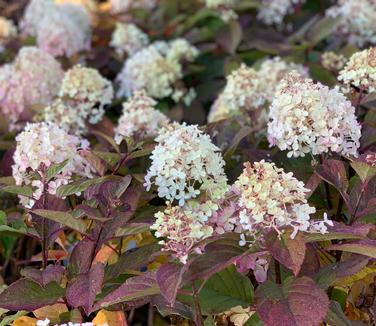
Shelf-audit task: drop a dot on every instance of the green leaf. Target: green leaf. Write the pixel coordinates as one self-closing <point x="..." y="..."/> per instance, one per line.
<point x="62" y="218"/>
<point x="322" y="29"/>
<point x="82" y="185"/>
<point x="225" y="290"/>
<point x="107" y="138"/>
<point x="28" y="295"/>
<point x="55" y="169"/>
<point x="363" y="170"/>
<point x="18" y="190"/>
<point x="110" y="158"/>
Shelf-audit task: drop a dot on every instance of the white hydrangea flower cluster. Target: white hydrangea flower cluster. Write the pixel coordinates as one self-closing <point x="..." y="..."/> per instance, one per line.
<point x="128" y="39"/>
<point x="249" y="90"/>
<point x="82" y="97"/>
<point x="273" y="70"/>
<point x="224" y="7"/>
<point x="311" y="118"/>
<point x="32" y="80"/>
<point x="7" y="31"/>
<point x="270" y="199"/>
<point x="185" y="165"/>
<point x="360" y="71"/>
<point x="357" y="20"/>
<point x="46" y="322"/>
<point x="181" y="229"/>
<point x="272" y="12"/>
<point x="157" y="69"/>
<point x="333" y="61"/>
<point x="139" y="118"/>
<point x="122" y="6"/>
<point x="71" y="33"/>
<point x="41" y="145"/>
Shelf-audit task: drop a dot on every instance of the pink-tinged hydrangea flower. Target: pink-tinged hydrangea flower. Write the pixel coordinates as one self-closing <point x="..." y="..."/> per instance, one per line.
<point x="82" y="97"/>
<point x="181" y="230"/>
<point x="333" y="61"/>
<point x="158" y="70"/>
<point x="357" y="20"/>
<point x="185" y="165"/>
<point x="7" y="31"/>
<point x="244" y="92"/>
<point x="122" y="6"/>
<point x="270" y="199"/>
<point x="140" y="118"/>
<point x="311" y="118"/>
<point x="128" y="39"/>
<point x="273" y="70"/>
<point x="272" y="12"/>
<point x="248" y="90"/>
<point x="32" y="80"/>
<point x="360" y="71"/>
<point x="258" y="262"/>
<point x="71" y="33"/>
<point x="41" y="145"/>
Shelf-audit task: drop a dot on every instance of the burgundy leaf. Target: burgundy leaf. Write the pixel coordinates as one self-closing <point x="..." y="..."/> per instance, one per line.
<point x="218" y="255"/>
<point x="289" y="252"/>
<point x="81" y="257"/>
<point x="25" y="294"/>
<point x="169" y="279"/>
<point x="135" y="292"/>
<point x="81" y="291"/>
<point x="299" y="302"/>
<point x="334" y="172"/>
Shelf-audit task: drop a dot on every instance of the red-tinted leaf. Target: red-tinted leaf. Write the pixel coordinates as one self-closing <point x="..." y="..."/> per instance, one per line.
<point x="81" y="291"/>
<point x="362" y="247"/>
<point x="289" y="252"/>
<point x="135" y="292"/>
<point x="299" y="302"/>
<point x="169" y="278"/>
<point x="132" y="260"/>
<point x="97" y="163"/>
<point x="28" y="295"/>
<point x="230" y="36"/>
<point x="334" y="172"/>
<point x="81" y="257"/>
<point x="218" y="255"/>
<point x="52" y="273"/>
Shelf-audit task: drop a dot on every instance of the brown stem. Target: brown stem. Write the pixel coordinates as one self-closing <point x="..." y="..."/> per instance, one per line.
<point x="198" y="313"/>
<point x="44" y="226"/>
<point x="150" y="315"/>
<point x="122" y="161"/>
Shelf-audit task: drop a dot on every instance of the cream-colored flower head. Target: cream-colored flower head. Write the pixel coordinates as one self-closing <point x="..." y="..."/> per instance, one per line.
<point x="273" y="70"/>
<point x="122" y="6"/>
<point x="248" y="90"/>
<point x="128" y="39"/>
<point x="224" y="7"/>
<point x="71" y="32"/>
<point x="272" y="12"/>
<point x="7" y="30"/>
<point x="360" y="71"/>
<point x="140" y="118"/>
<point x="311" y="118"/>
<point x="181" y="229"/>
<point x="41" y="145"/>
<point x="86" y="88"/>
<point x="333" y="61"/>
<point x="32" y="80"/>
<point x="185" y="165"/>
<point x="357" y="20"/>
<point x="157" y="69"/>
<point x="271" y="199"/>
